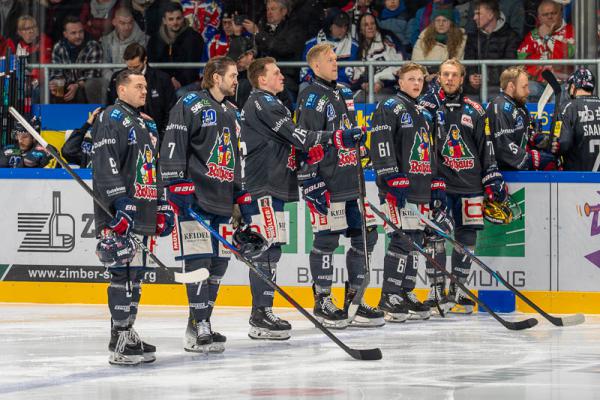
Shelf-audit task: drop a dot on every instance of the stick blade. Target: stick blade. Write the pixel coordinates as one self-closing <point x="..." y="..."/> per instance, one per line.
<point x="521" y="325"/>
<point x="198" y="275"/>
<point x="571" y="320"/>
<point x="366" y="354"/>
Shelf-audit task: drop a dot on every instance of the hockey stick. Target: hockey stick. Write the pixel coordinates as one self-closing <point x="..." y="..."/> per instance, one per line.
<point x="185" y="277"/>
<point x="357" y="299"/>
<point x="541" y="105"/>
<point x="558" y="321"/>
<point x="557" y="89"/>
<point x="514" y="326"/>
<point x="367" y="354"/>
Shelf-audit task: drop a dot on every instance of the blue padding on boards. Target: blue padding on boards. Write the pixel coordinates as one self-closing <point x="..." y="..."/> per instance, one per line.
<point x="502" y="301"/>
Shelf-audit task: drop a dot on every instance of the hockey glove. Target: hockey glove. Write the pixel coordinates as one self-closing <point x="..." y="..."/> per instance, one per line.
<point x="315" y="154"/>
<point x="541" y="160"/>
<point x="315" y="192"/>
<point x="494" y="187"/>
<point x="180" y="195"/>
<point x="434" y="97"/>
<point x="438" y="194"/>
<point x="346" y="139"/>
<point x="397" y="189"/>
<point x="242" y="198"/>
<point x="165" y="218"/>
<point x="444" y="221"/>
<point x="36" y="158"/>
<point x="125" y="210"/>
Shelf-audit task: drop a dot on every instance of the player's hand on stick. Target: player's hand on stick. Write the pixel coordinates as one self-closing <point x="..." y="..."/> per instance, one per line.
<point x="180" y="195"/>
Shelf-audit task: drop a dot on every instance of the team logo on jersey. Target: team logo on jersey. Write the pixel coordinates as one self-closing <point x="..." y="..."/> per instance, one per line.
<point x="330" y="112"/>
<point x="406" y="120"/>
<point x="131" y="137"/>
<point x="145" y="177"/>
<point x="519" y="123"/>
<point x="457" y="155"/>
<point x="209" y="117"/>
<point x="346" y="157"/>
<point x="419" y="162"/>
<point x="291" y="161"/>
<point x="221" y="162"/>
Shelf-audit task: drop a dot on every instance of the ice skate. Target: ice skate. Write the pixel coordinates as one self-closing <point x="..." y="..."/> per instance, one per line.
<point x="265" y="325"/>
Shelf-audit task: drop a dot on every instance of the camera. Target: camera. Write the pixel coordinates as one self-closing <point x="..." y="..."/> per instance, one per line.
<point x="239" y="19"/>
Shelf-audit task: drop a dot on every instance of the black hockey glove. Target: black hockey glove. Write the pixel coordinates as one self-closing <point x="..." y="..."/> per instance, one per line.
<point x="494" y="187"/>
<point x="125" y="210"/>
<point x="180" y="195"/>
<point x="315" y="192"/>
<point x="397" y="189"/>
<point x="165" y="218"/>
<point x="438" y="194"/>
<point x="346" y="139"/>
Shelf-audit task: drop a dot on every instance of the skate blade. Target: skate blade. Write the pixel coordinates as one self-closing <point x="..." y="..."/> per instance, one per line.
<point x="460" y="309"/>
<point x="126" y="361"/>
<point x="423" y="315"/>
<point x="216" y="348"/>
<point x="395" y="318"/>
<point x="266" y="334"/>
<point x="361" y="322"/>
<point x="148" y="358"/>
<point x="340" y="324"/>
<point x="204" y="349"/>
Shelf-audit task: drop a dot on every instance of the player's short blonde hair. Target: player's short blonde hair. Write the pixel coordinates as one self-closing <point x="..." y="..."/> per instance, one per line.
<point x="454" y="62"/>
<point x="511" y="74"/>
<point x="315" y="52"/>
<point x="411" y="66"/>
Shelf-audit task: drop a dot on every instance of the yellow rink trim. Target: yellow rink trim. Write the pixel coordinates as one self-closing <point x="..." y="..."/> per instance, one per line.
<point x="95" y="293"/>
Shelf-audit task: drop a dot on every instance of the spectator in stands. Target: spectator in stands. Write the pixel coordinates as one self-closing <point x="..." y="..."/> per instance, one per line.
<point x="78" y="144"/>
<point x="514" y="14"/>
<point x="552" y="39"/>
<point x="219" y="44"/>
<point x="423" y="18"/>
<point x="394" y="18"/>
<point x="177" y="42"/>
<point x="37" y="47"/>
<point x="147" y="14"/>
<point x="356" y="11"/>
<point x="126" y="32"/>
<point x="51" y="14"/>
<point x="243" y="52"/>
<point x="441" y="40"/>
<point x="493" y="40"/>
<point x="278" y="36"/>
<point x="337" y="33"/>
<point x="203" y="16"/>
<point x="10" y="11"/>
<point x="27" y="153"/>
<point x="374" y="45"/>
<point x="161" y="94"/>
<point x="76" y="85"/>
<point x="96" y="17"/>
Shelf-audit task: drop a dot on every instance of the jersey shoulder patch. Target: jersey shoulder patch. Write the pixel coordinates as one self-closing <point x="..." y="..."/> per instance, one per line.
<point x="117" y="115"/>
<point x="474" y="105"/>
<point x="311" y="100"/>
<point x="346" y="92"/>
<point x="190" y="98"/>
<point x="507" y="107"/>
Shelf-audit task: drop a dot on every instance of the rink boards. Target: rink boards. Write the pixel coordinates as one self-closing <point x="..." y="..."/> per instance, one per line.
<point x="552" y="253"/>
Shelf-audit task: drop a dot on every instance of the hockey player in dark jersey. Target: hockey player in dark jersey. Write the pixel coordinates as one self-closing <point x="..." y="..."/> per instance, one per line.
<point x="580" y="125"/>
<point x="325" y="105"/>
<point x="125" y="150"/>
<point x="510" y="125"/>
<point x="200" y="165"/>
<point x="467" y="164"/>
<point x="270" y="143"/>
<point x="402" y="154"/>
<point x="26" y="153"/>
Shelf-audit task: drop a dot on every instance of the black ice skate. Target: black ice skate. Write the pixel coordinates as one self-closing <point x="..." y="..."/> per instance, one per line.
<point x="393" y="307"/>
<point x="147" y="349"/>
<point x="416" y="309"/>
<point x="267" y="326"/>
<point x="327" y="313"/>
<point x="435" y="297"/>
<point x="121" y="351"/>
<point x="218" y="341"/>
<point x="457" y="302"/>
<point x="198" y="337"/>
<point x="366" y="316"/>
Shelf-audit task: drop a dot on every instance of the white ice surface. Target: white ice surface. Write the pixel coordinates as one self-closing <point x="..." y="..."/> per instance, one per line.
<point x="60" y="352"/>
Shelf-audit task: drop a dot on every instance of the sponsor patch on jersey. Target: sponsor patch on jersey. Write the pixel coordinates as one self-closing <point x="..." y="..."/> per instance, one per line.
<point x="350" y="104"/>
<point x="190" y="98"/>
<point x="519" y="122"/>
<point x="487" y="129"/>
<point x="474" y="105"/>
<point x="117" y="115"/>
<point x="269" y="98"/>
<point x="330" y="112"/>
<point x="209" y="117"/>
<point x="145" y="177"/>
<point x="420" y="154"/>
<point x="321" y="104"/>
<point x="346" y="92"/>
<point x="399" y="108"/>
<point x="455" y="152"/>
<point x="466" y="120"/>
<point x="389" y="103"/>
<point x="311" y="101"/>
<point x="127" y="122"/>
<point x="221" y="162"/>
<point x="131" y="137"/>
<point x="508" y="107"/>
<point x="406" y="120"/>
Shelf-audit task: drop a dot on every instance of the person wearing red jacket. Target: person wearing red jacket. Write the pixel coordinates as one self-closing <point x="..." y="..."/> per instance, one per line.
<point x="37" y="47"/>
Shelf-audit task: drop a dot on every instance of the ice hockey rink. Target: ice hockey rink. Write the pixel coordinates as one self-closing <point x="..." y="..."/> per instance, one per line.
<point x="60" y="352"/>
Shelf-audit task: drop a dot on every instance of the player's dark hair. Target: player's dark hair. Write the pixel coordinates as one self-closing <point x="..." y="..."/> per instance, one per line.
<point x="258" y="68"/>
<point x="70" y="19"/>
<point x="492" y="5"/>
<point x="124" y="77"/>
<point x="216" y="65"/>
<point x="171" y="7"/>
<point x="135" y="50"/>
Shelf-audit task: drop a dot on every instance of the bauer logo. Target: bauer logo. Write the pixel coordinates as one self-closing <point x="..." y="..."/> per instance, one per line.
<point x="51" y="232"/>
